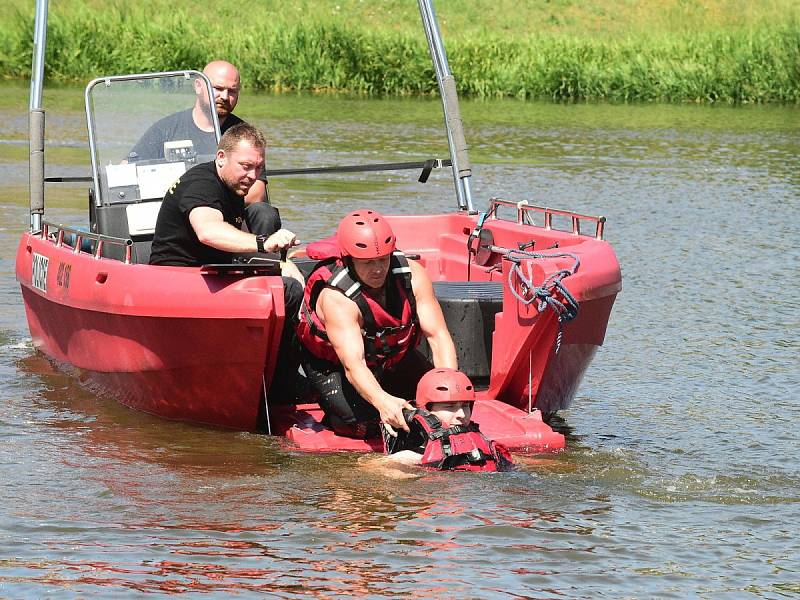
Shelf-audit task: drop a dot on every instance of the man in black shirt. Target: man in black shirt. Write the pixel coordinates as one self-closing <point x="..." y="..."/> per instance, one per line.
<point x="194" y="124"/>
<point x="202" y="213"/>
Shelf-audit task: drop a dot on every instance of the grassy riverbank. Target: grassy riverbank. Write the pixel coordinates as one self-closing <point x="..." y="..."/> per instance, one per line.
<point x="672" y="50"/>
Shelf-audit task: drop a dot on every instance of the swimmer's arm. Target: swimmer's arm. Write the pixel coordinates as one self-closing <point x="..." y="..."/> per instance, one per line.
<point x="405" y="457"/>
<point x="387" y="466"/>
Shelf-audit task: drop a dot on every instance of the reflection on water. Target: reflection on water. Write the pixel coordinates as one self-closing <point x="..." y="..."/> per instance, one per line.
<point x="680" y="477"/>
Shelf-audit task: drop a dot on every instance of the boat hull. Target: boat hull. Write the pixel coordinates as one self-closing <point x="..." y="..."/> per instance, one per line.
<point x="167" y="341"/>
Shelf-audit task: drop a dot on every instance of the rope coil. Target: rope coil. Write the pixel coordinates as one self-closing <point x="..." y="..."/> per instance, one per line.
<point x="552" y="292"/>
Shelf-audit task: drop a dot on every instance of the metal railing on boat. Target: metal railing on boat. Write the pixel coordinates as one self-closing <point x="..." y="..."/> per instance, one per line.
<point x="80" y="235"/>
<point x="525" y="211"/>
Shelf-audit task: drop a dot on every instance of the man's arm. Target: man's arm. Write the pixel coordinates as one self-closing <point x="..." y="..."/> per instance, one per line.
<point x="431" y="319"/>
<point x="212" y="230"/>
<point x="258" y="193"/>
<point x="341" y="316"/>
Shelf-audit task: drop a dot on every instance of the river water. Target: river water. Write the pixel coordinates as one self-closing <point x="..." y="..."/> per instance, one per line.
<point x="681" y="476"/>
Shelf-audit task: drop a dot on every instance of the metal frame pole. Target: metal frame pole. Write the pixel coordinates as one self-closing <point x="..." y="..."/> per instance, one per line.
<point x="462" y="170"/>
<point x="36" y="118"/>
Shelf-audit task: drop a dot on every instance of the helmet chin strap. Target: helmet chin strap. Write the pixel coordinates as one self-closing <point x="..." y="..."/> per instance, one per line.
<point x="348" y="262"/>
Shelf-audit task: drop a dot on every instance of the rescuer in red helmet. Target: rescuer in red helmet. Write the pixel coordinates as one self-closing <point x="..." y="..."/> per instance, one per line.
<point x="364" y="311"/>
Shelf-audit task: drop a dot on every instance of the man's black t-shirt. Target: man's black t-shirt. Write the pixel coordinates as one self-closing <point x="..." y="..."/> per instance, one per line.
<point x="230" y="121"/>
<point x="176" y="127"/>
<point x="181" y="126"/>
<point x="174" y="241"/>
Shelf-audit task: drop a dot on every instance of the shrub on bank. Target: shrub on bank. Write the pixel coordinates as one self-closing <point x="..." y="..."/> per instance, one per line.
<point x="761" y="64"/>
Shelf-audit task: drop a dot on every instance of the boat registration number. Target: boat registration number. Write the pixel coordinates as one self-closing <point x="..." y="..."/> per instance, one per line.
<point x="39" y="272"/>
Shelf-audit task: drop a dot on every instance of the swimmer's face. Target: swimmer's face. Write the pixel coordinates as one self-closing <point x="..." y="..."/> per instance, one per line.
<point x="451" y="413"/>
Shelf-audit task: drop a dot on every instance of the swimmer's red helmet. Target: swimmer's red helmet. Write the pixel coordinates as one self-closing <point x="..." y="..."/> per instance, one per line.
<point x="444" y="385"/>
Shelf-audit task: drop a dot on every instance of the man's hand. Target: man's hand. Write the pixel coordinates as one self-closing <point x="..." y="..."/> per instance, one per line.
<point x="391" y="411"/>
<point x="283" y="238"/>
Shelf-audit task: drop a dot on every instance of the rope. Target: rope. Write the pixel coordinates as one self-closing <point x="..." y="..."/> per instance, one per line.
<point x="552" y="293"/>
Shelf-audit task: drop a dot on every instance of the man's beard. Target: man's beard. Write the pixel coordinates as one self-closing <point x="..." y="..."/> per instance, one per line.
<point x="223" y="109"/>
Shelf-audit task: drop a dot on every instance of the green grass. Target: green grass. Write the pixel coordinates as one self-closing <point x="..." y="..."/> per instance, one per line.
<point x="726" y="51"/>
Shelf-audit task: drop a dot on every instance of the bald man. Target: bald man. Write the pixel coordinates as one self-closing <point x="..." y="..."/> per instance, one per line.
<point x="194" y="124"/>
<point x="224" y="78"/>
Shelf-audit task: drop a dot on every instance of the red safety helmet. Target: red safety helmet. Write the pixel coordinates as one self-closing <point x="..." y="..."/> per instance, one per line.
<point x="365" y="234"/>
<point x="444" y="385"/>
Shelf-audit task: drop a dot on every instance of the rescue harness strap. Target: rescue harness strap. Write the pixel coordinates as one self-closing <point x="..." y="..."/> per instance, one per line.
<point x="375" y="344"/>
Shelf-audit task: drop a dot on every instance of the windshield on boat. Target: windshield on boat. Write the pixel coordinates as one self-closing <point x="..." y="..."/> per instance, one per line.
<point x="146" y="130"/>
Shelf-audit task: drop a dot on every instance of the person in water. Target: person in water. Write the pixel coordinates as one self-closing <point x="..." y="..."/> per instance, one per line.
<point x="364" y="310"/>
<point x="442" y="435"/>
<point x="194" y="124"/>
<point x="201" y="216"/>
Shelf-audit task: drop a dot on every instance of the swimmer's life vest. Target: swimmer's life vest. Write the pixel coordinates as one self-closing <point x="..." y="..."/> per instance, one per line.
<point x="457" y="448"/>
<point x="386" y="337"/>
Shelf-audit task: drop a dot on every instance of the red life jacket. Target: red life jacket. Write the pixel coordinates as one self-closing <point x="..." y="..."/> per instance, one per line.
<point x="457" y="448"/>
<point x="386" y="338"/>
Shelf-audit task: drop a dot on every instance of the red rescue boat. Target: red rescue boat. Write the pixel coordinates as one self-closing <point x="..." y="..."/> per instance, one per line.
<point x="527" y="291"/>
